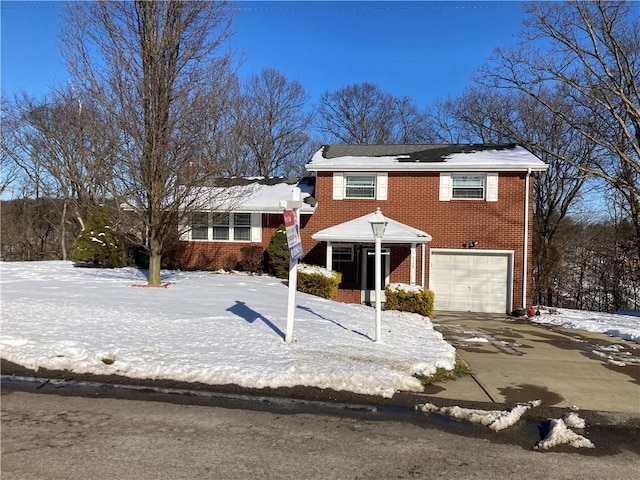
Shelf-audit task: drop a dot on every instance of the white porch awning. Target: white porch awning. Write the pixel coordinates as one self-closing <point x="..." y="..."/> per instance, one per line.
<point x="358" y="230"/>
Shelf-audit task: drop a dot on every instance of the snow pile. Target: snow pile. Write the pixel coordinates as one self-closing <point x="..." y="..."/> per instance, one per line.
<point x="476" y="340"/>
<point x="210" y="328"/>
<point x="314" y="269"/>
<point x="404" y="287"/>
<point x="496" y="420"/>
<point x="560" y="433"/>
<point x="614" y="325"/>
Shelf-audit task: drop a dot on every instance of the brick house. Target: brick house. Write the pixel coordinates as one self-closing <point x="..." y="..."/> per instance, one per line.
<point x="459" y="221"/>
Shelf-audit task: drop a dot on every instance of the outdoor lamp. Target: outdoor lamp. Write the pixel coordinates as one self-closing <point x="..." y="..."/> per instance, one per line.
<point x="378" y="224"/>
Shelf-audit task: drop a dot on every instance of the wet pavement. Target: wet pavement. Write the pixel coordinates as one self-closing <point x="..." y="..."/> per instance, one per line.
<point x="513" y="360"/>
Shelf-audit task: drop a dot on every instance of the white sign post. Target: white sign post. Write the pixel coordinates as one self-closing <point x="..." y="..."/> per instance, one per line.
<point x="292" y="225"/>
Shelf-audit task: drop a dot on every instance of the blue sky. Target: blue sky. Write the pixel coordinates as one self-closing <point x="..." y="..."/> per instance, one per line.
<point x="426" y="50"/>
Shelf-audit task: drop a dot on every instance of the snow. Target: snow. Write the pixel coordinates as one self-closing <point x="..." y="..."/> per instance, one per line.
<point x="207" y="327"/>
<point x="496" y="420"/>
<point x="560" y="430"/>
<point x="615" y="325"/>
<point x="403" y="287"/>
<point x="316" y="270"/>
<point x="516" y="159"/>
<point x="560" y="433"/>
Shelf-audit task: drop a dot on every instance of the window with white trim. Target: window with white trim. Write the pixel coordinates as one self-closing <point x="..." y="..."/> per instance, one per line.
<point x="236" y="227"/>
<point x="360" y="186"/>
<point x="199" y="226"/>
<point x="342" y="253"/>
<point x="241" y="227"/>
<point x="467" y="187"/>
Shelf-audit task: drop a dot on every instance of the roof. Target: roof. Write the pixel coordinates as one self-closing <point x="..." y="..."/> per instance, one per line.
<point x="425" y="157"/>
<point x="256" y="194"/>
<point x="359" y="230"/>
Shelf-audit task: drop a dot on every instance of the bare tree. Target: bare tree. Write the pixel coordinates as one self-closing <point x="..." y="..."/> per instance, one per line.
<point x="151" y="66"/>
<point x="364" y="114"/>
<point x="66" y="147"/>
<point x="274" y="121"/>
<point x="497" y="116"/>
<point x="589" y="53"/>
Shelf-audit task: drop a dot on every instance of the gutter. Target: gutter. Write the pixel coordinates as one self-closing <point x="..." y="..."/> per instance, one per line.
<point x="525" y="253"/>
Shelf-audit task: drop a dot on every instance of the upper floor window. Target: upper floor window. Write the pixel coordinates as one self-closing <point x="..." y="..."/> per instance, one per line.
<point x="360" y="186"/>
<point x="467" y="187"/>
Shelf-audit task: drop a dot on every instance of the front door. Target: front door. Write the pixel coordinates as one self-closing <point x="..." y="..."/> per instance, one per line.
<point x="368" y="277"/>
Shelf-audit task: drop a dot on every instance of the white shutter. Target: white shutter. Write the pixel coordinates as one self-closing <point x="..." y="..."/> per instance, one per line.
<point x="256" y="227"/>
<point x="492" y="187"/>
<point x="381" y="186"/>
<point x="445" y="187"/>
<point x="338" y="186"/>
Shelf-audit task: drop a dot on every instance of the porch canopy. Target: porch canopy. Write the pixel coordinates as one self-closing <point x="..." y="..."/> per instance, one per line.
<point x="359" y="230"/>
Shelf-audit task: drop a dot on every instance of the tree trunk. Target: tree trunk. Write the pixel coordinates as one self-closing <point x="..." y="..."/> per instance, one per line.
<point x="155" y="260"/>
<point x="63" y="231"/>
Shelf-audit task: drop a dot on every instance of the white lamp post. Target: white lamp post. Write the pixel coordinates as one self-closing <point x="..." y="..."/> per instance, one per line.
<point x="378" y="224"/>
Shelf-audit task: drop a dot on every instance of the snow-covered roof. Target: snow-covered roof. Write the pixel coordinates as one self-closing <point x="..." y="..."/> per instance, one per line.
<point x="359" y="230"/>
<point x="439" y="158"/>
<point x="257" y="195"/>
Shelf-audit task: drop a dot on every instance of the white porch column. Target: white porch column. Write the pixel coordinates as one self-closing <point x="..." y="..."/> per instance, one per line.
<point x="422" y="262"/>
<point x="412" y="278"/>
<point x="329" y="260"/>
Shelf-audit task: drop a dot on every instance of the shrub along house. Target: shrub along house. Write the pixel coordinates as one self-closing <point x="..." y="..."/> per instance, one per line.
<point x="459" y="221"/>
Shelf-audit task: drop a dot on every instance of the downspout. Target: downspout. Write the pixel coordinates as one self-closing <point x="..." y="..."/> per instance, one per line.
<point x="525" y="253"/>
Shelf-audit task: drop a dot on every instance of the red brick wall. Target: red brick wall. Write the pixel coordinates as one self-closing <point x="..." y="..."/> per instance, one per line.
<point x="413" y="200"/>
<point x="203" y="255"/>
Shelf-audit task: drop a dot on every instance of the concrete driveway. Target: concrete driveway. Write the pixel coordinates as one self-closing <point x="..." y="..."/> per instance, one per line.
<point x="513" y="360"/>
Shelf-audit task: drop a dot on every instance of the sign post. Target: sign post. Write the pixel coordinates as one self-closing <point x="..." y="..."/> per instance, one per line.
<point x="292" y="226"/>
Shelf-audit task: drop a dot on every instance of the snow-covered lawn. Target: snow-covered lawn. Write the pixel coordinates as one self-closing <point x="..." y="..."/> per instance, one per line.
<point x="207" y="327"/>
<point x="614" y="325"/>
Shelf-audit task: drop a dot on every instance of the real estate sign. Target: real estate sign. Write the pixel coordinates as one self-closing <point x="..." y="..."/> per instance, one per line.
<point x="293" y="235"/>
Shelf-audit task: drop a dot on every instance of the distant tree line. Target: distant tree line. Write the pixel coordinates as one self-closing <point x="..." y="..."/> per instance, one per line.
<point x="156" y="108"/>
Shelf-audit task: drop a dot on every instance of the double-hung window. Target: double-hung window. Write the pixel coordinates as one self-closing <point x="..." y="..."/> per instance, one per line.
<point x="241" y="225"/>
<point x="360" y="186"/>
<point x="221" y="226"/>
<point x="467" y="187"/>
<point x="200" y="226"/>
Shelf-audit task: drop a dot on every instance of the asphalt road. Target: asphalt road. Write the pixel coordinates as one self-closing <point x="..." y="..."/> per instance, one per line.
<point x="51" y="436"/>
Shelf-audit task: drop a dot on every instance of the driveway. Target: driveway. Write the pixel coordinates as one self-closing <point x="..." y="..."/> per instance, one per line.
<point x="513" y="360"/>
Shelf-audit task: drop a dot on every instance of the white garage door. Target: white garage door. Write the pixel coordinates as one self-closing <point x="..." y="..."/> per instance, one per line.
<point x="469" y="281"/>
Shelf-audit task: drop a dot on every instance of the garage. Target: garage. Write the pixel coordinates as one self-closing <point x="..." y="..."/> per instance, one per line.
<point x="471" y="280"/>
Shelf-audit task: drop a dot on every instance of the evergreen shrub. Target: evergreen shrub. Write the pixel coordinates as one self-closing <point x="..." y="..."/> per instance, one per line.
<point x="97" y="244"/>
<point x="409" y="298"/>
<point x="276" y="256"/>
<point x="318" y="281"/>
